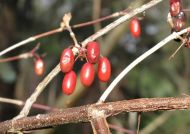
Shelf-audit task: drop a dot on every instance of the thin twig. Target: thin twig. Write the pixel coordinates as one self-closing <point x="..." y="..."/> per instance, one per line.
<point x="26" y="55"/>
<point x="172" y="56"/>
<point x="121" y="129"/>
<point x="137" y="61"/>
<point x="30" y="39"/>
<point x="21" y="103"/>
<point x="18" y="57"/>
<point x="66" y="20"/>
<point x="149" y="129"/>
<point x="186" y="10"/>
<point x="139" y="122"/>
<point x="84" y="113"/>
<point x="24" y="112"/>
<point x="114" y="15"/>
<point x="58" y="30"/>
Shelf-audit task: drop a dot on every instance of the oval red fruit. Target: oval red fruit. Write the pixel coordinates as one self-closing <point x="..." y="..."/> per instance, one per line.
<point x="67" y="60"/>
<point x="104" y="69"/>
<point x="175" y="7"/>
<point x="179" y="21"/>
<point x="87" y="74"/>
<point x="93" y="52"/>
<point x="69" y="83"/>
<point x="39" y="66"/>
<point x="135" y="28"/>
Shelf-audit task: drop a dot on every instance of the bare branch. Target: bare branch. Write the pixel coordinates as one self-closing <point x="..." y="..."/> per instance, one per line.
<point x="21" y="103"/>
<point x="84" y="113"/>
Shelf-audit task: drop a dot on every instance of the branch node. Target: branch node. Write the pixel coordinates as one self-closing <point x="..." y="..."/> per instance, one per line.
<point x="95" y="113"/>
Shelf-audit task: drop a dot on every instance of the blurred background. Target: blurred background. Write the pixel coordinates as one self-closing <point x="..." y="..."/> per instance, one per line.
<point x="155" y="77"/>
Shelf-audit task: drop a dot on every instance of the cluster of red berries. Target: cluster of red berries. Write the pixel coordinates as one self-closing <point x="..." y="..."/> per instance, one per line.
<point x="87" y="74"/>
<point x="177" y="14"/>
<point x="135" y="27"/>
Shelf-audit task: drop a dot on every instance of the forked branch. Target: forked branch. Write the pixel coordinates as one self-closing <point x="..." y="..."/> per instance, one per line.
<point x="84" y="113"/>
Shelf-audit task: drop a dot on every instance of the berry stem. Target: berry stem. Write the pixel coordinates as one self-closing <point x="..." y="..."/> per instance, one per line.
<point x="21" y="56"/>
<point x="172" y="56"/>
<point x="186" y="10"/>
<point x="26" y="55"/>
<point x="66" y="20"/>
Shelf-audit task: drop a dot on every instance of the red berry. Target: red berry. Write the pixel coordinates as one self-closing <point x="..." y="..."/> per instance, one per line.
<point x="93" y="52"/>
<point x="179" y="21"/>
<point x="69" y="83"/>
<point x="87" y="74"/>
<point x="67" y="60"/>
<point x="135" y="28"/>
<point x="174" y="1"/>
<point x="175" y="7"/>
<point x="39" y="66"/>
<point x="104" y="69"/>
